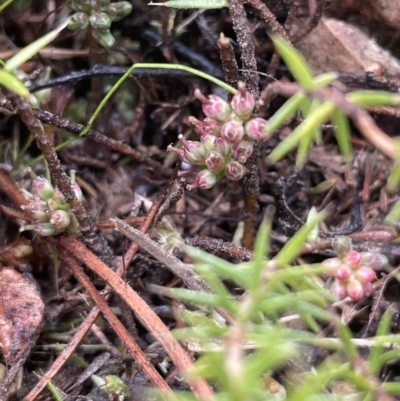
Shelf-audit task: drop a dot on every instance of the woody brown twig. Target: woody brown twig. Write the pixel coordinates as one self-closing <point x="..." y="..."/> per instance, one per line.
<point x="137" y="304"/>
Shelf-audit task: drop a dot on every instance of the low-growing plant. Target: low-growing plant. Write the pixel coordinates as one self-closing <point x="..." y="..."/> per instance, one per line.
<point x="271" y="348"/>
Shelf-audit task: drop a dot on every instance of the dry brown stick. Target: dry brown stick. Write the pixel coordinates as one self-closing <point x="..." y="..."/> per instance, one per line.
<point x="122" y="332"/>
<point x="91" y="238"/>
<point x="182" y="270"/>
<point x="269" y="18"/>
<point x="228" y="61"/>
<point x="249" y="64"/>
<point x="246" y="45"/>
<point x="145" y="313"/>
<point x="311" y="23"/>
<point x="11" y="190"/>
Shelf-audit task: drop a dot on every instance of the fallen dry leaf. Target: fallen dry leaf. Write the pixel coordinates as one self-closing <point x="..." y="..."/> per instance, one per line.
<point x="21" y="313"/>
<point x="338" y="46"/>
<point x="389" y="11"/>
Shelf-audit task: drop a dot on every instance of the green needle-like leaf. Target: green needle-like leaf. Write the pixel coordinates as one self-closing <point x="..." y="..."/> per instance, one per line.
<point x="32" y="49"/>
<point x="374" y="360"/>
<point x="12" y="83"/>
<point x="341" y="127"/>
<point x="316" y="117"/>
<point x="368" y="98"/>
<point x="293" y="247"/>
<point x="289" y="108"/>
<point x="324" y="79"/>
<point x="296" y="63"/>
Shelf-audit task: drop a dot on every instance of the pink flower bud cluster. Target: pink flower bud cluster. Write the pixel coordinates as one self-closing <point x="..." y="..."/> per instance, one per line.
<point x="353" y="271"/>
<point x="50" y="212"/>
<point x="227" y="136"/>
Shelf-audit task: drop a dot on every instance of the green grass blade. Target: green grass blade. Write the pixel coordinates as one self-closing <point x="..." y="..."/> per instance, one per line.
<point x="296" y="63"/>
<point x="371" y="98"/>
<point x="32" y="49"/>
<point x="342" y="133"/>
<point x="289" y="108"/>
<point x="12" y="83"/>
<point x="324" y="79"/>
<point x="316" y="117"/>
<point x="293" y="247"/>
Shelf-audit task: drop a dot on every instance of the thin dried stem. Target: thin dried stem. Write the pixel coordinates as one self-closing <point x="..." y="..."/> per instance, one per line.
<point x="140" y="307"/>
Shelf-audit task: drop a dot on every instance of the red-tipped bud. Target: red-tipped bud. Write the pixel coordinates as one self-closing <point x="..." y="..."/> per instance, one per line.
<point x="343" y="273"/>
<point x="215" y="161"/>
<point x="338" y="289"/>
<point x="353" y="259"/>
<point x="365" y="274"/>
<point x="42" y="187"/>
<point x="60" y="219"/>
<point x="342" y="245"/>
<point x="242" y="151"/>
<point x="375" y="260"/>
<point x="204" y="180"/>
<point x="243" y="102"/>
<point x="355" y="290"/>
<point x="214" y="107"/>
<point x="257" y="129"/>
<point x="232" y="131"/>
<point x="234" y="171"/>
<point x="331" y="264"/>
<point x="223" y="147"/>
<point x="195" y="151"/>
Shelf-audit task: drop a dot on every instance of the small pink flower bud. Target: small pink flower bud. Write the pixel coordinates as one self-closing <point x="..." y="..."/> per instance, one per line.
<point x="365" y="274"/>
<point x="257" y="129"/>
<point x="353" y="259"/>
<point x="331" y="264"/>
<point x="368" y="289"/>
<point x="195" y="151"/>
<point x="223" y="147"/>
<point x="234" y="171"/>
<point x="208" y="141"/>
<point x="215" y="161"/>
<point x="204" y="180"/>
<point x="243" y="102"/>
<point x="338" y="289"/>
<point x="355" y="290"/>
<point x="214" y="107"/>
<point x="242" y="151"/>
<point x="213" y="127"/>
<point x="343" y="273"/>
<point x="375" y="260"/>
<point x="42" y="187"/>
<point x="60" y="219"/>
<point x="342" y="245"/>
<point x="232" y="131"/>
